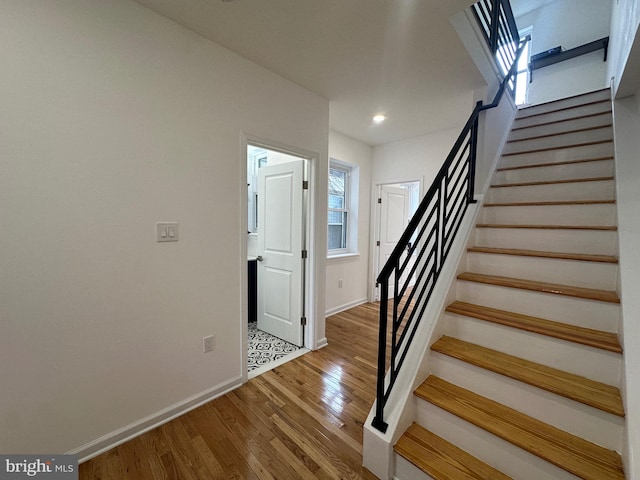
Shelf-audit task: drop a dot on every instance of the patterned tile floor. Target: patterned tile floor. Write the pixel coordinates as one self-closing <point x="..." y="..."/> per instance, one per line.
<point x="265" y="348"/>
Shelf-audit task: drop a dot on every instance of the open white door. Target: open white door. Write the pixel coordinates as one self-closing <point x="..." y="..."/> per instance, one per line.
<point x="280" y="267"/>
<point x="395" y="205"/>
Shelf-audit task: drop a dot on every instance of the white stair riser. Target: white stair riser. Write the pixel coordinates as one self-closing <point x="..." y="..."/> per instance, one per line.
<point x="571" y="102"/>
<point x="603" y="168"/>
<point x="599" y="275"/>
<point x="596" y="242"/>
<point x="560" y="308"/>
<point x="556" y="141"/>
<point x="589" y="423"/>
<point x="594" y="190"/>
<point x="593" y="363"/>
<point x="583" y="152"/>
<point x="600" y="214"/>
<point x="405" y="470"/>
<point x="560" y="115"/>
<point x="498" y="453"/>
<point x="565" y="126"/>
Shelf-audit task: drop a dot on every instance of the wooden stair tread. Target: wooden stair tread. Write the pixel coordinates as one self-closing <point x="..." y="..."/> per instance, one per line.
<point x="552" y="182"/>
<point x="564" y="120"/>
<point x="571" y="453"/>
<point x="553" y="164"/>
<point x="562" y="147"/>
<point x="544" y="287"/>
<point x="612" y="228"/>
<point x="441" y="459"/>
<point x="564" y="132"/>
<point x="519" y="115"/>
<point x="585" y="336"/>
<point x="550" y="204"/>
<point x="581" y="389"/>
<point x="536" y="253"/>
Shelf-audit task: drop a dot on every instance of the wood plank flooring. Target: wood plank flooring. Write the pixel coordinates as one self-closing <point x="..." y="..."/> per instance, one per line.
<point x="302" y="420"/>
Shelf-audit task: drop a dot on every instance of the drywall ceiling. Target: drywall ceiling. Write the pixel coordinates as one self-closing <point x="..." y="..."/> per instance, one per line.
<point x="400" y="57"/>
<point x="522" y="7"/>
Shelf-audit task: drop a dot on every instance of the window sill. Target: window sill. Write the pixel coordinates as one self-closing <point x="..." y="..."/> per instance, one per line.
<point x="338" y="256"/>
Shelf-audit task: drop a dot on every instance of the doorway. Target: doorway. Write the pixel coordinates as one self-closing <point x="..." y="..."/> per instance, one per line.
<point x="276" y="239"/>
<point x="395" y="204"/>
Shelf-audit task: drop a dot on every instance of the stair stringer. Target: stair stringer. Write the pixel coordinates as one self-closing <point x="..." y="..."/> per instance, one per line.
<point x="400" y="411"/>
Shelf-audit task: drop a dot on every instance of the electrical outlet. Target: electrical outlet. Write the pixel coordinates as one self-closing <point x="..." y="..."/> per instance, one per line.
<point x="340" y="283"/>
<point x="208" y="344"/>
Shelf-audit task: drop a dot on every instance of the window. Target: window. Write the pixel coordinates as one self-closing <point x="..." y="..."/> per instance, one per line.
<point x="338" y="207"/>
<point x="522" y="73"/>
<point x="522" y="78"/>
<point x="342" y="208"/>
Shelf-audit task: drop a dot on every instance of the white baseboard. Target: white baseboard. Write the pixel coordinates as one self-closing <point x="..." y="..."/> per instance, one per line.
<point x="346" y="306"/>
<point x="126" y="433"/>
<point x="321" y="343"/>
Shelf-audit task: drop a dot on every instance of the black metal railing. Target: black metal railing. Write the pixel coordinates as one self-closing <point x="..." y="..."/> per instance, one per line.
<point x="495" y="18"/>
<point x="410" y="275"/>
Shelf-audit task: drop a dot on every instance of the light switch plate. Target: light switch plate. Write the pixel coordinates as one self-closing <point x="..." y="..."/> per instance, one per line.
<point x="167" y="231"/>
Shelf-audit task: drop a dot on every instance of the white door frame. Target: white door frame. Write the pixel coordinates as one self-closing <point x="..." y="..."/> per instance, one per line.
<point x="311" y="165"/>
<point x="376" y="185"/>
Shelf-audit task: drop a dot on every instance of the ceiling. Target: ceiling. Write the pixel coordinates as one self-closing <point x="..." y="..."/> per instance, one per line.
<point x="522" y="7"/>
<point x="399" y="57"/>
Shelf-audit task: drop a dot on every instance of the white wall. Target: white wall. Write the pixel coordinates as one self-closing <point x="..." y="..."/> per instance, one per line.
<point x="353" y="270"/>
<point x="494" y="126"/>
<point x="415" y="158"/>
<point x="624" y="68"/>
<point x="624" y="47"/>
<point x="114" y="118"/>
<point x="627" y="145"/>
<point x="568" y="23"/>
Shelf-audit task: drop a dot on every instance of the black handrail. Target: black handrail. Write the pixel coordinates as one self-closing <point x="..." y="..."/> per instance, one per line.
<point x="417" y="260"/>
<point x="495" y="17"/>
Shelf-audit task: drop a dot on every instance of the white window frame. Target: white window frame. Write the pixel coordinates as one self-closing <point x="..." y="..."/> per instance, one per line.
<point x="350" y="207"/>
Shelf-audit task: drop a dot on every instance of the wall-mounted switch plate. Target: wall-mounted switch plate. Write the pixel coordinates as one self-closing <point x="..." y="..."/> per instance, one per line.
<point x="167" y="232"/>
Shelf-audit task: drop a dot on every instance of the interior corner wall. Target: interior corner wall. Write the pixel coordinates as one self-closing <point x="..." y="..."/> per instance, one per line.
<point x="113" y="119"/>
<point x="569" y="24"/>
<point x="353" y="270"/>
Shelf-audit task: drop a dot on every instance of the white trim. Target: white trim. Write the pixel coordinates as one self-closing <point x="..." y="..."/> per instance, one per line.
<point x="346" y="306"/>
<point x="339" y="256"/>
<point x="321" y="343"/>
<point x="135" y="429"/>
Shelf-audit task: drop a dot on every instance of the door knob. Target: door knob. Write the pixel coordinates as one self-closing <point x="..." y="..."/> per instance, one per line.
<point x="259" y="258"/>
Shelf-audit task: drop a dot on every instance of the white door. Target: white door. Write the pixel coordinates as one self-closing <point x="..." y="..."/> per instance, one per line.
<point x="280" y="225"/>
<point x="395" y="208"/>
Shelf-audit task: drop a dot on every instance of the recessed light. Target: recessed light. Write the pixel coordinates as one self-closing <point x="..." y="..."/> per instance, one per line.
<point x="379" y="118"/>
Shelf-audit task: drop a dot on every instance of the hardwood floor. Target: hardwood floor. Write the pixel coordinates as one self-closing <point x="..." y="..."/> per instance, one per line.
<point x="302" y="420"/>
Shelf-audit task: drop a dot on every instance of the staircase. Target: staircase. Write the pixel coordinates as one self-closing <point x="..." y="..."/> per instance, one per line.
<point x="524" y="382"/>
